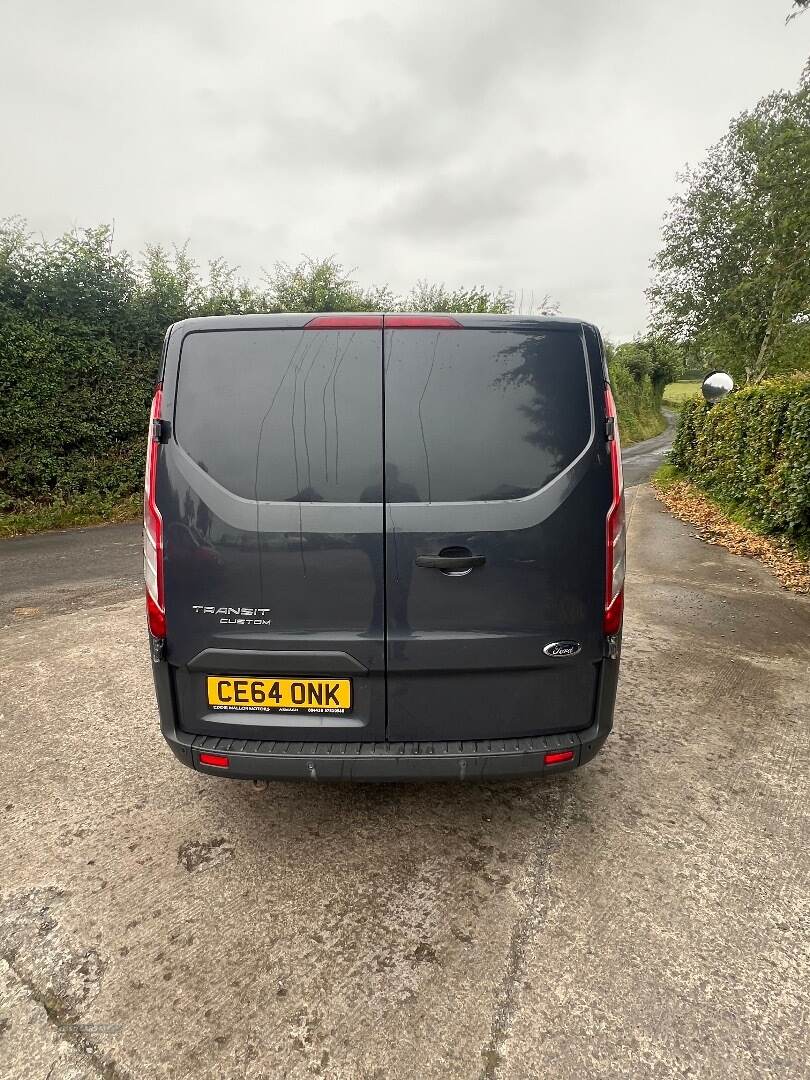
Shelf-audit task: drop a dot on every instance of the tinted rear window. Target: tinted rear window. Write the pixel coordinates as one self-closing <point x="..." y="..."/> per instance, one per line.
<point x="285" y="415"/>
<point x="474" y="415"/>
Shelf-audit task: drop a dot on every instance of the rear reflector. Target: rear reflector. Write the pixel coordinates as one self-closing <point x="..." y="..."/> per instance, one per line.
<point x="345" y="322"/>
<point x="557" y="757"/>
<point x="221" y="761"/>
<point x="421" y="322"/>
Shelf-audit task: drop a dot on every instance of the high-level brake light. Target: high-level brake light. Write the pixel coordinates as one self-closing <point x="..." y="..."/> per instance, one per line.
<point x="345" y="322"/>
<point x="615" y="545"/>
<point x="377" y="322"/>
<point x="421" y="322"/>
<point x="153" y="530"/>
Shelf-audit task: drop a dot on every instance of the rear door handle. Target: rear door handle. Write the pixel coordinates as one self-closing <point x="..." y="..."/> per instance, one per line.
<point x="450" y="562"/>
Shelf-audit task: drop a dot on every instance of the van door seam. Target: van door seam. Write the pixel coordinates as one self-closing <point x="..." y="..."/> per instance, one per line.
<point x="384" y="510"/>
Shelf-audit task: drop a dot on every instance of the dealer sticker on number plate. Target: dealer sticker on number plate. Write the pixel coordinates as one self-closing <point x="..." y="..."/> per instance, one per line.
<point x="272" y="694"/>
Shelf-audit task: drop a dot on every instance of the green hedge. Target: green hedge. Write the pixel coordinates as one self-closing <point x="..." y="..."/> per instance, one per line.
<point x="752" y="451"/>
<point x="73" y="416"/>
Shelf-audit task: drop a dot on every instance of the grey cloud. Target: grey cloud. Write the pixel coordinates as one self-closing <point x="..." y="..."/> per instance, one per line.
<point x="439" y="85"/>
<point x="385" y="137"/>
<point x="95" y="24"/>
<point x="531" y="144"/>
<point x="463" y="51"/>
<point x="484" y="194"/>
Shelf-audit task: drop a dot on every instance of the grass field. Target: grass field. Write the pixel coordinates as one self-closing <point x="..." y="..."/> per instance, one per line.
<point x="676" y="393"/>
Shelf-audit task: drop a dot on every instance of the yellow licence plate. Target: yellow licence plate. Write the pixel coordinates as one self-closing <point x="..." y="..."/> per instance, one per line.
<point x="273" y="694"/>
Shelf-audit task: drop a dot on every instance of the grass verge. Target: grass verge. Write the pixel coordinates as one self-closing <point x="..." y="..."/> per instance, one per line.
<point x="85" y="510"/>
<point x="731" y="528"/>
<point x="635" y="428"/>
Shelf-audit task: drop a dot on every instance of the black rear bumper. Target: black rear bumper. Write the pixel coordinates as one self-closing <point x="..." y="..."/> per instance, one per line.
<point x="483" y="760"/>
<point x="487" y="759"/>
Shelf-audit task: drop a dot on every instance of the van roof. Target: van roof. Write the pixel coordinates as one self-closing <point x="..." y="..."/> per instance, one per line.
<point x="296" y="320"/>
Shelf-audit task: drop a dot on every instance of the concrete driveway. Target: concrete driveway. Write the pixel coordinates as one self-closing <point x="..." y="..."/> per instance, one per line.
<point x="645" y="916"/>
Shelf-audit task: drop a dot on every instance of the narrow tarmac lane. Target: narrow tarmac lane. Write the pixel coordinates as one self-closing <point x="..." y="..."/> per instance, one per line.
<point x="639" y="462"/>
<point x="643" y="917"/>
<point x="71" y="569"/>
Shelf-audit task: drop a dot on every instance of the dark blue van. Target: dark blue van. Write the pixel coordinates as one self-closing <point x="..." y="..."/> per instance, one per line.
<point x="384" y="547"/>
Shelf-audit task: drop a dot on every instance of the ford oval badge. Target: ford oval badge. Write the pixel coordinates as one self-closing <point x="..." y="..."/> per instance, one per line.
<point x="562" y="648"/>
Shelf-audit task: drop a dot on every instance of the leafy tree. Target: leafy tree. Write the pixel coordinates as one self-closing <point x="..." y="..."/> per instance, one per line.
<point x="78" y="276"/>
<point x="16" y="263"/>
<point x="170" y="287"/>
<point x="658" y="359"/>
<point x="226" y="293"/>
<point x="425" y="296"/>
<point x="323" y="285"/>
<point x="732" y="277"/>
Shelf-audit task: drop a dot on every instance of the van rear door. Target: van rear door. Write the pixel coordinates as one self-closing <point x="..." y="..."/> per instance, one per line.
<point x="271" y="494"/>
<point x="497" y="488"/>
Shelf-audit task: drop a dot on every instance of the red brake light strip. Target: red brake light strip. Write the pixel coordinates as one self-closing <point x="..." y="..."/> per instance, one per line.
<point x="421" y="322"/>
<point x="345" y="322"/>
<point x="377" y="322"/>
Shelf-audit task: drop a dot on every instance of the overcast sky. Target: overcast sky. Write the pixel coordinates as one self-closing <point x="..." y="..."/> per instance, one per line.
<point x="526" y="144"/>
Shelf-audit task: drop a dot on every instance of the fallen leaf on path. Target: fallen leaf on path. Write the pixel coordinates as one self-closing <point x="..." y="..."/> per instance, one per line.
<point x="686" y="503"/>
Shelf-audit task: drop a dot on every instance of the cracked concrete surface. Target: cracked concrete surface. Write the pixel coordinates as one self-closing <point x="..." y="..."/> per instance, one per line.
<point x="645" y="916"/>
<point x="32" y="1043"/>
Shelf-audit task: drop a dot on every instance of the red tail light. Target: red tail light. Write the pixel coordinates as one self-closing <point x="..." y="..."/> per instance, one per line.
<point x="345" y="322"/>
<point x="153" y="530"/>
<point x="614" y="531"/>
<point x="421" y="322"/>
